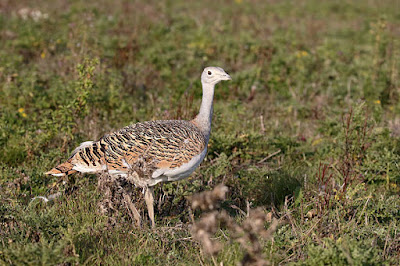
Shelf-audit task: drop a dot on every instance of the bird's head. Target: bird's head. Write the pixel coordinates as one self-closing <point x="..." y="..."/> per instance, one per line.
<point x="213" y="75"/>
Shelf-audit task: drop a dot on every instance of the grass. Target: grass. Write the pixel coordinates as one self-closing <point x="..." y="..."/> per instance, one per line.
<point x="308" y="130"/>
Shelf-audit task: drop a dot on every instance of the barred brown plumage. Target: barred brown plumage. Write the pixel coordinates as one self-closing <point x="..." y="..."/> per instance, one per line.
<point x="172" y="142"/>
<point x="173" y="148"/>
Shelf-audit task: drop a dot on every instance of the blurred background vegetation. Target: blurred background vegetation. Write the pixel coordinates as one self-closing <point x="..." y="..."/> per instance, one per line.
<point x="309" y="128"/>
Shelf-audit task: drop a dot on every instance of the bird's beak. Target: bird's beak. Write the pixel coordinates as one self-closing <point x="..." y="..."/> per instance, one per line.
<point x="226" y="77"/>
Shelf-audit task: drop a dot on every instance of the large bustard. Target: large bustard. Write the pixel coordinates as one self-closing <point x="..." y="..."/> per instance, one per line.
<point x="174" y="147"/>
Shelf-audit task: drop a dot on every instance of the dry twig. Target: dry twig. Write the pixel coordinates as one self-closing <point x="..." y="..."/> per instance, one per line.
<point x="246" y="234"/>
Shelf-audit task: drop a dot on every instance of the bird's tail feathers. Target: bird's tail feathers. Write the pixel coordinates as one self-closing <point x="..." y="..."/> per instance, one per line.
<point x="62" y="169"/>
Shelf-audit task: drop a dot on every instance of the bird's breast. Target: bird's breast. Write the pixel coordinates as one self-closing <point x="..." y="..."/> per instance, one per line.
<point x="178" y="173"/>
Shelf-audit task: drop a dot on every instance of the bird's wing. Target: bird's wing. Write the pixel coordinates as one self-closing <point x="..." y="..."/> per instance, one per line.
<point x="165" y="144"/>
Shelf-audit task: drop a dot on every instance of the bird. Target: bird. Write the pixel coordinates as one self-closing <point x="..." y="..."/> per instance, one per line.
<point x="173" y="148"/>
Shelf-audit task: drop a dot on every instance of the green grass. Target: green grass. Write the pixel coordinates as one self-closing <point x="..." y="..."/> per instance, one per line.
<point x="315" y="82"/>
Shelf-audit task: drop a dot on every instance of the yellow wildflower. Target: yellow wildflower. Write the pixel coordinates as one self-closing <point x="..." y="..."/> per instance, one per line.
<point x="300" y="54"/>
<point x="316" y="142"/>
<point x="337" y="197"/>
<point x="43" y="55"/>
<point x="377" y="102"/>
<point x="22" y="112"/>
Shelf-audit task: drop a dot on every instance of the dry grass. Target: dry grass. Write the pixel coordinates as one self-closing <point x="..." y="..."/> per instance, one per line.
<point x="247" y="233"/>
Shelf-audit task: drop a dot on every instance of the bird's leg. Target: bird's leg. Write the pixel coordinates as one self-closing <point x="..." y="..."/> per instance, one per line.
<point x="133" y="211"/>
<point x="149" y="197"/>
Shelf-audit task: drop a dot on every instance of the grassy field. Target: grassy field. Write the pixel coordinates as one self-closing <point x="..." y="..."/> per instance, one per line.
<point x="308" y="130"/>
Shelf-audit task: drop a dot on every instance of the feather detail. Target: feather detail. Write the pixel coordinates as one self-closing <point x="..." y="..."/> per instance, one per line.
<point x="62" y="169"/>
<point x="167" y="144"/>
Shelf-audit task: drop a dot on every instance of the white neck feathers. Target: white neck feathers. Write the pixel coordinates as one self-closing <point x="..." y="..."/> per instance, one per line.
<point x="203" y="119"/>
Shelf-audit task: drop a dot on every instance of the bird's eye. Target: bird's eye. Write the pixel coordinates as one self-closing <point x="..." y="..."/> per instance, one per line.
<point x="209" y="73"/>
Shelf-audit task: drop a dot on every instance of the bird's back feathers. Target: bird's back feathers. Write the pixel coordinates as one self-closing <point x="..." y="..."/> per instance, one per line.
<point x="167" y="144"/>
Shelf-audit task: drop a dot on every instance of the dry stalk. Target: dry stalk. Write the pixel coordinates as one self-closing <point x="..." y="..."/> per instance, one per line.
<point x="246" y="234"/>
<point x="120" y="193"/>
<point x="134" y="213"/>
<point x="209" y="200"/>
<point x="117" y="195"/>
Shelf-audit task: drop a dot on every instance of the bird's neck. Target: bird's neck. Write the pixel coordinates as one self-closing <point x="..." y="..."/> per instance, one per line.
<point x="203" y="119"/>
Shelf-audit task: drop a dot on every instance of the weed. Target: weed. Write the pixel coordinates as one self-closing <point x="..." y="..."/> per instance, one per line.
<point x="246" y="234"/>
